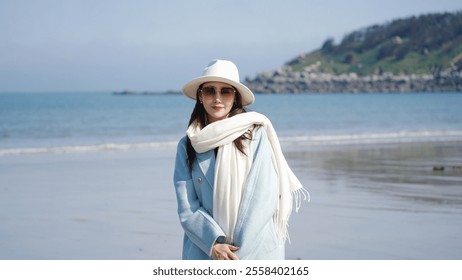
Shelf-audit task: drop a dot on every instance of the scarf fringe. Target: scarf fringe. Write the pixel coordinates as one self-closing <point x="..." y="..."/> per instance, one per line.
<point x="297" y="195"/>
<point x="282" y="227"/>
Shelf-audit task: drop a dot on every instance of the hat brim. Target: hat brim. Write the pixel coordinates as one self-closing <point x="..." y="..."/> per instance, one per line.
<point x="190" y="89"/>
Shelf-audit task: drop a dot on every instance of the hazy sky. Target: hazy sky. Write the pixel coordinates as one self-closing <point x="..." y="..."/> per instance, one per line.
<point x="102" y="45"/>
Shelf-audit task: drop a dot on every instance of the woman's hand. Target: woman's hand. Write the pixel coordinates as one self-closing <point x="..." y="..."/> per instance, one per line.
<point x="224" y="252"/>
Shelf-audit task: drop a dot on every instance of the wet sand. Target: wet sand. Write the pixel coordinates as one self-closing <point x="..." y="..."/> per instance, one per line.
<point x="107" y="205"/>
<point x="379" y="202"/>
<point x="367" y="202"/>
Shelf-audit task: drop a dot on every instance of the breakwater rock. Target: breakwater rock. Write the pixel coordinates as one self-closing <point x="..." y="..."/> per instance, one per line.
<point x="131" y="92"/>
<point x="285" y="80"/>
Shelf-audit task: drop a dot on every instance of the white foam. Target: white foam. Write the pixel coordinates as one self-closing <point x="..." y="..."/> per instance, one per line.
<point x="87" y="148"/>
<point x="376" y="138"/>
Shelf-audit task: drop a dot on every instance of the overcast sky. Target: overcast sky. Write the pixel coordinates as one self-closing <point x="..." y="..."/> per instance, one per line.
<point x="103" y="45"/>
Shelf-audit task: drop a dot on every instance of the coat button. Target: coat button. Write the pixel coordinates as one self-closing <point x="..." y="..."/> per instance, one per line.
<point x="199" y="180"/>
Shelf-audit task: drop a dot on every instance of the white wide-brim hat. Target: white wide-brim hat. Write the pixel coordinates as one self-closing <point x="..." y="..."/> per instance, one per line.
<point x="223" y="71"/>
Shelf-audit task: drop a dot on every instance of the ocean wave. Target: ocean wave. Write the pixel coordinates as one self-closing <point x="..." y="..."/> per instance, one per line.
<point x="286" y="141"/>
<point x="404" y="136"/>
<point x="86" y="148"/>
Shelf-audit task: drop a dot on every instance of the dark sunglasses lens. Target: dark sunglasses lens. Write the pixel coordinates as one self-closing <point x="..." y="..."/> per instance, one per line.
<point x="227" y="91"/>
<point x="208" y="90"/>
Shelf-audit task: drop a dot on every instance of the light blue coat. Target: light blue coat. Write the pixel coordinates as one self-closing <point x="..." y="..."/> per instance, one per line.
<point x="255" y="232"/>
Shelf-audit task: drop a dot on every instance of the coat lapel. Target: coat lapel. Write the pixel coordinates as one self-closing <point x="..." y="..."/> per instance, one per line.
<point x="207" y="165"/>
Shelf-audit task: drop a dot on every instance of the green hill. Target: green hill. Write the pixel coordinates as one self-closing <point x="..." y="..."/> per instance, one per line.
<point x="417" y="54"/>
<point x="418" y="45"/>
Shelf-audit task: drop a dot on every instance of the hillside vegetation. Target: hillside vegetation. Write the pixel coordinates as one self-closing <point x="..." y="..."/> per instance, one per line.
<point x="416" y="45"/>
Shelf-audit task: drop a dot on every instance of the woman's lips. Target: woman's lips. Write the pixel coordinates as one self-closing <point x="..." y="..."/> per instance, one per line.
<point x="217" y="108"/>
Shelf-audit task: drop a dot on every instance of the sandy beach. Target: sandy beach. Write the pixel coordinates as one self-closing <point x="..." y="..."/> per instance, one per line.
<point x="367" y="202"/>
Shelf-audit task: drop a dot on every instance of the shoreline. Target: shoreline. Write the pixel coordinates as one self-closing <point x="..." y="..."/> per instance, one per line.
<point x="367" y="202"/>
<point x="288" y="141"/>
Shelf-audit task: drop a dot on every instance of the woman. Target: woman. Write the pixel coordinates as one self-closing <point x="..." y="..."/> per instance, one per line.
<point x="233" y="185"/>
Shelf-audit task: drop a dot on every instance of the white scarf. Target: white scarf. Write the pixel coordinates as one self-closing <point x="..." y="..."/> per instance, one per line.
<point x="232" y="168"/>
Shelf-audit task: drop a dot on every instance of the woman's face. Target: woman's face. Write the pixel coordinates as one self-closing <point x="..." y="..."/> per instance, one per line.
<point x="217" y="99"/>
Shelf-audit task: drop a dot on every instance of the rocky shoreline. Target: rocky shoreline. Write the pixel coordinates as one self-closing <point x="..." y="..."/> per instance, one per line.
<point x="131" y="92"/>
<point x="285" y="80"/>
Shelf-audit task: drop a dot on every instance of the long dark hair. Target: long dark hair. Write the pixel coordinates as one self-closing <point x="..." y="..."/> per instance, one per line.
<point x="199" y="118"/>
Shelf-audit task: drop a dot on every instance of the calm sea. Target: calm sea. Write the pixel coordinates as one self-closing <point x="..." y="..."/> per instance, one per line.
<point x="72" y="122"/>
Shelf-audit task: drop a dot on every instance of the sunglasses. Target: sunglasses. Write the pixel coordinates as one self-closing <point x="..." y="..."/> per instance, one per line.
<point x="226" y="92"/>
